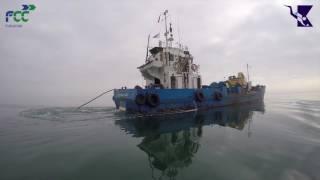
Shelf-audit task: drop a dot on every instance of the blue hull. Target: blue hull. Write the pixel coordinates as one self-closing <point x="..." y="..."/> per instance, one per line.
<point x="170" y="100"/>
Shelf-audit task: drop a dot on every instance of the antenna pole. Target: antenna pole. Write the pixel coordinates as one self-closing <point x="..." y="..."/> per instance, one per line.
<point x="165" y="21"/>
<point x="179" y="34"/>
<point x="147" y="47"/>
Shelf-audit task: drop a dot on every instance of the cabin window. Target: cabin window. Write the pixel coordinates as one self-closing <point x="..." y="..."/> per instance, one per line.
<point x="198" y="82"/>
<point x="171" y="57"/>
<point x="173" y="82"/>
<point x="156" y="81"/>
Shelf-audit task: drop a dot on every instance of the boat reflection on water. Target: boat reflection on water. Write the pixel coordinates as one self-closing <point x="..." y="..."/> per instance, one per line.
<point x="171" y="141"/>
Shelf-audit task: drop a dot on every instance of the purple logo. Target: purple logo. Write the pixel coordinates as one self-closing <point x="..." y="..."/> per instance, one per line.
<point x="301" y="15"/>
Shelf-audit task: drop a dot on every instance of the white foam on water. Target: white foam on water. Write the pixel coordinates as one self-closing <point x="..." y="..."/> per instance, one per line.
<point x="69" y="113"/>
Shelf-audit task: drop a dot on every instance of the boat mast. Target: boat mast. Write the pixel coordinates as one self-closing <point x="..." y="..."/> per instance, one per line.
<point x="165" y="22"/>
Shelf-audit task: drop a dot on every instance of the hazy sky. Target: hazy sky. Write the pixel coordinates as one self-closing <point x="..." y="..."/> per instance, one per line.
<point x="70" y="51"/>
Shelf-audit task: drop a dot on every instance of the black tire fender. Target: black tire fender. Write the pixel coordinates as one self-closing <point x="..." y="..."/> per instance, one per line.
<point x="140" y="99"/>
<point x="199" y="96"/>
<point x="153" y="100"/>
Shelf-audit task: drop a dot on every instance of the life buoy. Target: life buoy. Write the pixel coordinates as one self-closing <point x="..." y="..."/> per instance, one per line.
<point x="194" y="67"/>
<point x="153" y="100"/>
<point x="199" y="96"/>
<point x="140" y="99"/>
<point x="218" y="96"/>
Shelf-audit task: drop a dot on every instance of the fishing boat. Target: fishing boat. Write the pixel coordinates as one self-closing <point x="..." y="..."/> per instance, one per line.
<point x="173" y="82"/>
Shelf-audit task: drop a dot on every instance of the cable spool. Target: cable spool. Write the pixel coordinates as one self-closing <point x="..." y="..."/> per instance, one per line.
<point x="153" y="100"/>
<point x="199" y="96"/>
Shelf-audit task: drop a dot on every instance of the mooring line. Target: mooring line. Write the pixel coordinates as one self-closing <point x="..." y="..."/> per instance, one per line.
<point x="95" y="98"/>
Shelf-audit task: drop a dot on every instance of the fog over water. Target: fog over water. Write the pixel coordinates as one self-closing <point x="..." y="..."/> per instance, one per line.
<point x="70" y="51"/>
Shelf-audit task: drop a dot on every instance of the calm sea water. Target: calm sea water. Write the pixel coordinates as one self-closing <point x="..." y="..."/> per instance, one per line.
<point x="277" y="139"/>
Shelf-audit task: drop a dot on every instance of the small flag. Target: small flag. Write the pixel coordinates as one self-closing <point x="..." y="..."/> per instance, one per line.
<point x="157" y="35"/>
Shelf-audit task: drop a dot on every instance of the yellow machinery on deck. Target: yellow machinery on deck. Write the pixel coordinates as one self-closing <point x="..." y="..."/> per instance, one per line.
<point x="234" y="81"/>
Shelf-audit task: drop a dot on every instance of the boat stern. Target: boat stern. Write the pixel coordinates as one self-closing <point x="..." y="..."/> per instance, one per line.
<point x="123" y="98"/>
